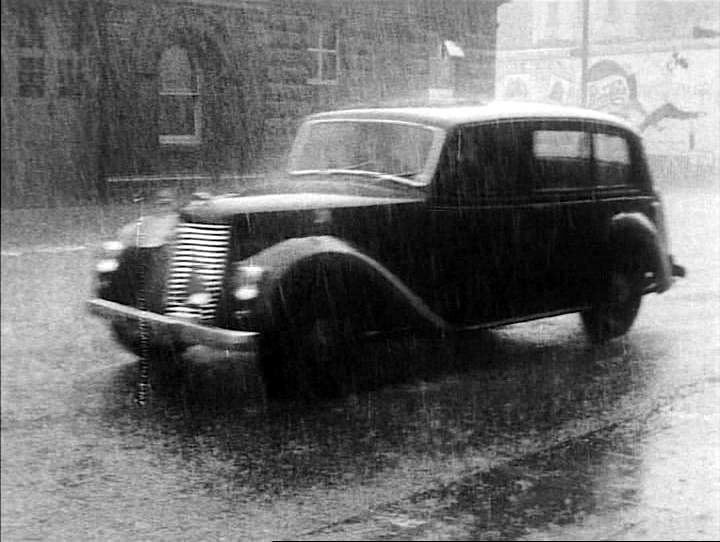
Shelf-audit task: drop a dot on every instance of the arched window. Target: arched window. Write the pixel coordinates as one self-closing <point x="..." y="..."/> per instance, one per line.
<point x="180" y="116"/>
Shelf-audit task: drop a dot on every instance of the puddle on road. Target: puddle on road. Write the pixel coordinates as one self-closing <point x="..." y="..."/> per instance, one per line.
<point x="290" y="468"/>
<point x="554" y="487"/>
<point x="638" y="479"/>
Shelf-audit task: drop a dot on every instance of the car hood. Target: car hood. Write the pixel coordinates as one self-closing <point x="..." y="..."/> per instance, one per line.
<point x="223" y="208"/>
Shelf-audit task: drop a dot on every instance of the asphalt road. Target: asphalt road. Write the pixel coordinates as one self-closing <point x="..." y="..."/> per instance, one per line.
<point x="525" y="432"/>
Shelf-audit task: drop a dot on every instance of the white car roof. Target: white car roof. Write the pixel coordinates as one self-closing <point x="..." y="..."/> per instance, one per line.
<point x="447" y="116"/>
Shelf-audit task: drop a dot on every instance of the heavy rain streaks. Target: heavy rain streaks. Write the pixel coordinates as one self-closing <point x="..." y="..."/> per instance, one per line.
<point x="115" y="111"/>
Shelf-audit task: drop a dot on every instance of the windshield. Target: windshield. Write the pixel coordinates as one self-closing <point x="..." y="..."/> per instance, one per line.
<point x="396" y="149"/>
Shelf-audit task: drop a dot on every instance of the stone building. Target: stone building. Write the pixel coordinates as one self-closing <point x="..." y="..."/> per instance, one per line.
<point x="96" y="90"/>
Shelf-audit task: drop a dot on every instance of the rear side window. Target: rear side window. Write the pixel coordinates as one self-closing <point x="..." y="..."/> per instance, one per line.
<point x="612" y="160"/>
<point x="561" y="159"/>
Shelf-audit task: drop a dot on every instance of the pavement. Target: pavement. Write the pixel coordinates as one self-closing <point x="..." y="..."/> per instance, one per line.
<point x="663" y="483"/>
<point x="64" y="229"/>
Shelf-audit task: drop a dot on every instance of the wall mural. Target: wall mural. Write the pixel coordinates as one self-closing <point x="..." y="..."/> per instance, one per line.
<point x="613" y="90"/>
<point x="672" y="97"/>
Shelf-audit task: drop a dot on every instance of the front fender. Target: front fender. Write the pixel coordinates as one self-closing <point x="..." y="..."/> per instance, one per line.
<point x="142" y="262"/>
<point x="150" y="231"/>
<point x="636" y="229"/>
<point x="281" y="259"/>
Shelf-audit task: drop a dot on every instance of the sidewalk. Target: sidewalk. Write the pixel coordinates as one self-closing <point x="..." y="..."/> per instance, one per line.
<point x="86" y="226"/>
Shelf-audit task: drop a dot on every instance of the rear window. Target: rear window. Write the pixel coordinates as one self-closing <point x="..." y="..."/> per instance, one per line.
<point x="561" y="158"/>
<point x="612" y="160"/>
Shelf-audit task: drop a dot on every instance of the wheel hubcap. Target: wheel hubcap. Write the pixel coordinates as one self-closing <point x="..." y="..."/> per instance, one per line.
<point x="321" y="337"/>
<point x="620" y="290"/>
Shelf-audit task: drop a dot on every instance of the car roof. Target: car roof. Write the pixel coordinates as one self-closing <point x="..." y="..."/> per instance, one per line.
<point x="448" y="116"/>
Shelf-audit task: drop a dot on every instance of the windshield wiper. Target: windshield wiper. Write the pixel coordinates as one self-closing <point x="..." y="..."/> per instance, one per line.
<point x="405" y="174"/>
<point x="403" y="177"/>
<point x="335" y="171"/>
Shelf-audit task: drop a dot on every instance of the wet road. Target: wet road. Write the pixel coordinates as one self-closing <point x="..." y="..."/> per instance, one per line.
<point x="528" y="433"/>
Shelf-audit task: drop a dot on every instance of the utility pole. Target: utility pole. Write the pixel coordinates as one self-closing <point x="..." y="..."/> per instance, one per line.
<point x="584" y="51"/>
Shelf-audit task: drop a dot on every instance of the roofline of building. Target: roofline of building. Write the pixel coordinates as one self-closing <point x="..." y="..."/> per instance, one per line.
<point x="601" y="49"/>
<point x="243" y="3"/>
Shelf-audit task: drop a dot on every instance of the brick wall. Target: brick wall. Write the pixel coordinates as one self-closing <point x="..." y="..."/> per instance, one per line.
<point x="48" y="113"/>
<point x="259" y="77"/>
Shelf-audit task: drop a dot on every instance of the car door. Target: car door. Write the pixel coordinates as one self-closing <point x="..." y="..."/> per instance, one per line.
<point x="480" y="260"/>
<point x="564" y="217"/>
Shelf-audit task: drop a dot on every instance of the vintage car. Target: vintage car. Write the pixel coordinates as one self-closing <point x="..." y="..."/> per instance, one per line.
<point x="396" y="219"/>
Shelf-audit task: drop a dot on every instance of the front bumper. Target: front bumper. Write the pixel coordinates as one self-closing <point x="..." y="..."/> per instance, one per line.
<point x="163" y="329"/>
<point x="677" y="270"/>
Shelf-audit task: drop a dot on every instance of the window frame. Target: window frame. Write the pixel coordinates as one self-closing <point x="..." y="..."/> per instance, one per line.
<point x="584" y="126"/>
<point x="629" y="167"/>
<point x="195" y="138"/>
<point x="41" y="72"/>
<point x="510" y="189"/>
<point x="445" y="180"/>
<point x="31" y="42"/>
<point x="422" y="179"/>
<point x="30" y="29"/>
<point x="68" y="77"/>
<point x="635" y="180"/>
<point x="318" y="53"/>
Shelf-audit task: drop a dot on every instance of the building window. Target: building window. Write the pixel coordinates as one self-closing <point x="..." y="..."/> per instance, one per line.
<point x="325" y="60"/>
<point x="31" y="77"/>
<point x="612" y="11"/>
<point x="552" y="23"/>
<point x="562" y="159"/>
<point x="180" y="114"/>
<point x="68" y="74"/>
<point x="30" y="33"/>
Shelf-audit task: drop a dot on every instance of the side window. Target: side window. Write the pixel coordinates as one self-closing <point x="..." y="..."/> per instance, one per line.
<point x="561" y="159"/>
<point x="487" y="161"/>
<point x="612" y="160"/>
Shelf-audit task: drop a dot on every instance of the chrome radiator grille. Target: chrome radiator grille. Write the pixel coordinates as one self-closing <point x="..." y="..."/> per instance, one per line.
<point x="196" y="270"/>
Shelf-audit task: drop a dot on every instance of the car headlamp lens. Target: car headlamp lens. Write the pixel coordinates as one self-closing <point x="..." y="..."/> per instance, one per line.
<point x="247" y="279"/>
<point x="246" y="293"/>
<point x="112" y="248"/>
<point x="107" y="265"/>
<point x="108" y="261"/>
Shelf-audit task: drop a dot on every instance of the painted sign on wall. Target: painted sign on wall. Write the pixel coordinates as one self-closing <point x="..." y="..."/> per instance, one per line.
<point x="671" y="96"/>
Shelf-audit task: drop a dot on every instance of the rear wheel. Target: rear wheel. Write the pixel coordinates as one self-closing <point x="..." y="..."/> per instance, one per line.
<point x="614" y="312"/>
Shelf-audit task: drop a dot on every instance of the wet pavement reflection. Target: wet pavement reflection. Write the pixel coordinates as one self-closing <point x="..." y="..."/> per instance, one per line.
<point x="524" y="432"/>
<point x="519" y="388"/>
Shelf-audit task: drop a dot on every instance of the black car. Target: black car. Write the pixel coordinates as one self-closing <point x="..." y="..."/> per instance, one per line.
<point x="395" y="219"/>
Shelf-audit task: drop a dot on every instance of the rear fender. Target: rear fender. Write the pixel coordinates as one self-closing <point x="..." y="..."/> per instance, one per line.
<point x="633" y="232"/>
<point x="287" y="260"/>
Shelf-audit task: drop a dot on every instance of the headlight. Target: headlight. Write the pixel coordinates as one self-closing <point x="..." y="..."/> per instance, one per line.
<point x="107" y="265"/>
<point x="247" y="281"/>
<point x="108" y="260"/>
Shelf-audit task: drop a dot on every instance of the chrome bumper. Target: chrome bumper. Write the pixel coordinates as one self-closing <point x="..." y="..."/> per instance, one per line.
<point x="677" y="270"/>
<point x="165" y="329"/>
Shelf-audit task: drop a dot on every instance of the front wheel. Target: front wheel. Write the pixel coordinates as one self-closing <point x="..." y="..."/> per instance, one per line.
<point x="312" y="350"/>
<point x="614" y="312"/>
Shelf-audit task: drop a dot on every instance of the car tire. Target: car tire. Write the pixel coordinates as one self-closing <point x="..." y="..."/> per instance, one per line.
<point x="164" y="367"/>
<point x="617" y="306"/>
<point x="312" y="351"/>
